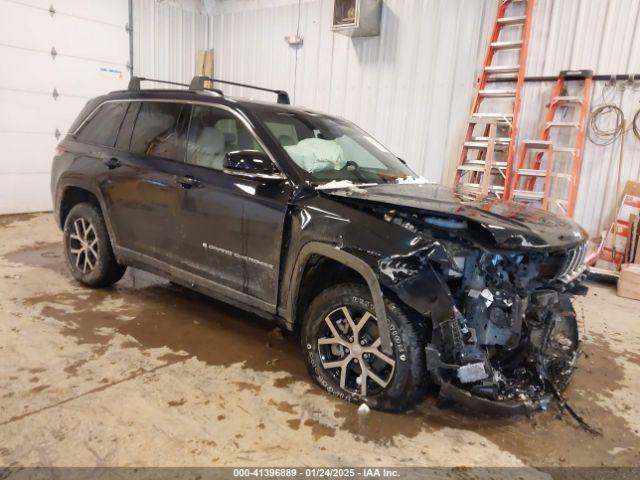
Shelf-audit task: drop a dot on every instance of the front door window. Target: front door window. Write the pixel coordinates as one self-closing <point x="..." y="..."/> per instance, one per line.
<point x="212" y="134"/>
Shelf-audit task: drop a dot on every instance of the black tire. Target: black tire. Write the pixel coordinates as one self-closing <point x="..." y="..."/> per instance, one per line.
<point x="95" y="248"/>
<point x="563" y="346"/>
<point x="407" y="382"/>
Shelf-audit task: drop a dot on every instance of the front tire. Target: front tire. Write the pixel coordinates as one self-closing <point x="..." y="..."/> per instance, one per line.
<point x="87" y="248"/>
<point x="563" y="345"/>
<point x="341" y="345"/>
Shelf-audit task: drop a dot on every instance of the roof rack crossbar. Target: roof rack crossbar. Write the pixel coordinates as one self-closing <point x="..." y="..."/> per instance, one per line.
<point x="198" y="84"/>
<point x="134" y="83"/>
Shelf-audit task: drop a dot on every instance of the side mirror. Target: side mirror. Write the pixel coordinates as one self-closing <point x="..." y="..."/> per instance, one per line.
<point x="251" y="164"/>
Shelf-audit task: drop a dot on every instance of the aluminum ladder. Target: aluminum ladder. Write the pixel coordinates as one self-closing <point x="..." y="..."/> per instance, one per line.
<point x="482" y="171"/>
<point x="550" y="178"/>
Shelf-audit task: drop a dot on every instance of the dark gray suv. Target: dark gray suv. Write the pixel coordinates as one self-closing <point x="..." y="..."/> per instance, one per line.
<point x="303" y="218"/>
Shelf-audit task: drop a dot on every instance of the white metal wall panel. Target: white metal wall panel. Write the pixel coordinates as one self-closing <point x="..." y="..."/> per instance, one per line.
<point x="412" y="86"/>
<point x="92" y="52"/>
<point x="399" y="86"/>
<point x="250" y="44"/>
<point x="166" y="40"/>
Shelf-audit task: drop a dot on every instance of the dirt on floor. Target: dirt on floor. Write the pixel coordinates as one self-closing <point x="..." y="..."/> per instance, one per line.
<point x="151" y="374"/>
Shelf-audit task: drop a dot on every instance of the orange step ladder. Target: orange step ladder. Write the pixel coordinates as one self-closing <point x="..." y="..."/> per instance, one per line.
<point x="550" y="178"/>
<point x="481" y="170"/>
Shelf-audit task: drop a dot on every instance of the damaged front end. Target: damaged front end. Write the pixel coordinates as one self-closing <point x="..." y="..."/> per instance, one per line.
<point x="504" y="336"/>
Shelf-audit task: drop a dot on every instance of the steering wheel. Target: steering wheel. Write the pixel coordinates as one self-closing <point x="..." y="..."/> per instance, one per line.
<point x="351" y="166"/>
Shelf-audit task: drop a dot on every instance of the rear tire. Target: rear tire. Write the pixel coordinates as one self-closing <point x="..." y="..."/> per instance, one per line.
<point x="340" y="342"/>
<point x="87" y="248"/>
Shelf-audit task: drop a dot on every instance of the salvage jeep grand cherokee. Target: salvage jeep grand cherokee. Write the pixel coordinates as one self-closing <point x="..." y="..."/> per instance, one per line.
<point x="297" y="216"/>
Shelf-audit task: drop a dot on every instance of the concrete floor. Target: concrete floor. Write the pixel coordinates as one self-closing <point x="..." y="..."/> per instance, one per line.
<point x="147" y="374"/>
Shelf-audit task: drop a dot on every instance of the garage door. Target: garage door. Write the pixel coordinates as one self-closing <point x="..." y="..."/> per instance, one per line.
<point x="54" y="56"/>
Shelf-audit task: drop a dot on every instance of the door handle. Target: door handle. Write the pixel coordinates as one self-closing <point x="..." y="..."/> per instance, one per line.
<point x="112" y="163"/>
<point x="187" y="181"/>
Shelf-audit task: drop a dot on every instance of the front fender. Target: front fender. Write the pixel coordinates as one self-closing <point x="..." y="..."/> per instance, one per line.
<point x="417" y="280"/>
<point x="425" y="292"/>
<point x="351" y="261"/>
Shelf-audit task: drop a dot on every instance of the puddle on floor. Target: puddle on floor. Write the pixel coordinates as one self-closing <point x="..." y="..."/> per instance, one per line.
<point x="9" y="220"/>
<point x="156" y="313"/>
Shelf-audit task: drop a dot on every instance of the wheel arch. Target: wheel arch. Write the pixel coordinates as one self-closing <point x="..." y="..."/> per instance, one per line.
<point x="326" y="252"/>
<point x="70" y="195"/>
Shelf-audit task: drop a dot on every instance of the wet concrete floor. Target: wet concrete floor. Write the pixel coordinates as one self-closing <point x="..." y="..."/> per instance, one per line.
<point x="148" y="374"/>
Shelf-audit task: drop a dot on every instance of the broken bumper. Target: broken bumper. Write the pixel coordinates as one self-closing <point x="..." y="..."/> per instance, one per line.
<point x="449" y="392"/>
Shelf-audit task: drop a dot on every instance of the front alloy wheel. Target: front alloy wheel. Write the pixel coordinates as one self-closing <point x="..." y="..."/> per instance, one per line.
<point x="350" y="350"/>
<point x="340" y="338"/>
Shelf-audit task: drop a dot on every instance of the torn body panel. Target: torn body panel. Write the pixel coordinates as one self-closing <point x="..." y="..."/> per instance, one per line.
<point x="492" y="283"/>
<point x="503" y="332"/>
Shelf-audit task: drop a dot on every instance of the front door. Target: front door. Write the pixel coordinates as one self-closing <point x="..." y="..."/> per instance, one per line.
<point x="231" y="226"/>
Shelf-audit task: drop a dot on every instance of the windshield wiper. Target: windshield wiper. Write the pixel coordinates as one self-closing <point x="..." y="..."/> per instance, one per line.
<point x="343" y="184"/>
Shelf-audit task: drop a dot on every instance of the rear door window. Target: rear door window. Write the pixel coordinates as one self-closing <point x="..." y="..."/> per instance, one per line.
<point x="124" y="135"/>
<point x="160" y="130"/>
<point x="102" y="127"/>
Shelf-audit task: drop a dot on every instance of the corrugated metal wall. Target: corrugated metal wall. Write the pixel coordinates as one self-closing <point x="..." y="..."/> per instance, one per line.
<point x="411" y="87"/>
<point x="166" y="39"/>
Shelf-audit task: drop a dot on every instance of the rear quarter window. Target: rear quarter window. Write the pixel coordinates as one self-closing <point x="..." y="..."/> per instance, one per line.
<point x="102" y="127"/>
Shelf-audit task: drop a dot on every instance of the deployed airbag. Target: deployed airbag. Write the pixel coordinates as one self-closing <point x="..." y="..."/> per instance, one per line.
<point x="317" y="155"/>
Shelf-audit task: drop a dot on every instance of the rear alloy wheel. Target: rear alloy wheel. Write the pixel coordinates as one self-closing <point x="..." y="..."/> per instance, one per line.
<point x="83" y="245"/>
<point x="88" y="249"/>
<point x="343" y="351"/>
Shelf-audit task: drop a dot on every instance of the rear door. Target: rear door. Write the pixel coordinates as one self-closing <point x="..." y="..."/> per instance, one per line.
<point x="96" y="137"/>
<point x="141" y="188"/>
<point x="231" y="226"/>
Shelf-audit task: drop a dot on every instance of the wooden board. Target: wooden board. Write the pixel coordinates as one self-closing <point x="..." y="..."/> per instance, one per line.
<point x="204" y="65"/>
<point x="629" y="282"/>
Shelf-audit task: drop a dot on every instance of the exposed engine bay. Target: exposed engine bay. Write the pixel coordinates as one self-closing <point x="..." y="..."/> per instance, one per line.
<point x="504" y="335"/>
<point x="512" y="337"/>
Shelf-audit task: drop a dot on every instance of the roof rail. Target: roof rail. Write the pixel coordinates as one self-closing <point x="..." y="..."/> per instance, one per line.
<point x="134" y="83"/>
<point x="198" y="83"/>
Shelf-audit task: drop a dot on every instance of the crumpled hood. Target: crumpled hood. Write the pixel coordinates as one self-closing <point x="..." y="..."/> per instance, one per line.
<point x="511" y="225"/>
